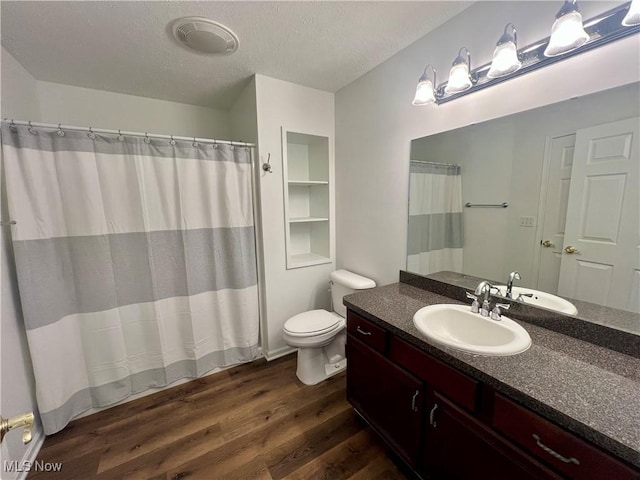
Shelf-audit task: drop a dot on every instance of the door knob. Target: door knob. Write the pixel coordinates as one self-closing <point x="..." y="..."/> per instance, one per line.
<point x="570" y="249"/>
<point x="547" y="243"/>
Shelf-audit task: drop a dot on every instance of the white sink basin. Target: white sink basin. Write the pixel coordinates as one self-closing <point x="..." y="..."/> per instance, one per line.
<point x="457" y="327"/>
<point x="541" y="299"/>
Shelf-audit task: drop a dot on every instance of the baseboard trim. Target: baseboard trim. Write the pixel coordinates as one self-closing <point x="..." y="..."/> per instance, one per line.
<point x="281" y="352"/>
<point x="30" y="455"/>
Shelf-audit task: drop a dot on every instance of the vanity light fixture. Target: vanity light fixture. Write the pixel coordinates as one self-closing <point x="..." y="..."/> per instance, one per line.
<point x="569" y="37"/>
<point x="567" y="32"/>
<point x="505" y="56"/>
<point x="633" y="15"/>
<point x="425" y="91"/>
<point x="459" y="75"/>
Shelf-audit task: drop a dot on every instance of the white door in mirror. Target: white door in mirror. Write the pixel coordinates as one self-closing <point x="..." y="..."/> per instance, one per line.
<point x="603" y="266"/>
<point x="457" y="327"/>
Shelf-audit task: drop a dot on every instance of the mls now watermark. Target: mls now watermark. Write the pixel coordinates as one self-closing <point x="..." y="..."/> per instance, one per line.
<point x="17" y="466"/>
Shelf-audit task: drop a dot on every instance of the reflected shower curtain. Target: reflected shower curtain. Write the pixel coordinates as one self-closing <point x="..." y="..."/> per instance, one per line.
<point x="435" y="218"/>
<point x="135" y="259"/>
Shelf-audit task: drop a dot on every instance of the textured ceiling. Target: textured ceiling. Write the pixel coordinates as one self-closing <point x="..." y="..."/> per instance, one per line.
<point x="126" y="47"/>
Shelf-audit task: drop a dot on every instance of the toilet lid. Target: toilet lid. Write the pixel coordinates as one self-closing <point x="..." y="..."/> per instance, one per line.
<point x="313" y="321"/>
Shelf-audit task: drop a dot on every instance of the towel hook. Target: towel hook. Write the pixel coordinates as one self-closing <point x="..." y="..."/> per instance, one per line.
<point x="267" y="166"/>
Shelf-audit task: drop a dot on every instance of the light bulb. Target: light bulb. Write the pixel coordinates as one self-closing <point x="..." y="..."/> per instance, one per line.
<point x="567" y="32"/>
<point x="633" y="15"/>
<point x="459" y="77"/>
<point x="505" y="56"/>
<point x="424" y="93"/>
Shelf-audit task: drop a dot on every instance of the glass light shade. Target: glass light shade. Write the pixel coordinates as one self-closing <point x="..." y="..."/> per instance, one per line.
<point x="459" y="79"/>
<point x="505" y="60"/>
<point x="567" y="34"/>
<point x="424" y="93"/>
<point x="633" y="15"/>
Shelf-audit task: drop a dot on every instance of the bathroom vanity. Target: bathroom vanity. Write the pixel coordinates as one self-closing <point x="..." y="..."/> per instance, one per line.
<point x="563" y="408"/>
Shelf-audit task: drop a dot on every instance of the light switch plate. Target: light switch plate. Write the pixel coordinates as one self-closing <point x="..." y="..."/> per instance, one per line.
<point x="527" y="221"/>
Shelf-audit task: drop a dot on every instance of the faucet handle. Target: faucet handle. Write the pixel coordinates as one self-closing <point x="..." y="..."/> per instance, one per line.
<point x="522" y="295"/>
<point x="496" y="314"/>
<point x="475" y="306"/>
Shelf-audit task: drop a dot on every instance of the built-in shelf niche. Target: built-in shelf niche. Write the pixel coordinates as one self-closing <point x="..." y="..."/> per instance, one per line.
<point x="307" y="202"/>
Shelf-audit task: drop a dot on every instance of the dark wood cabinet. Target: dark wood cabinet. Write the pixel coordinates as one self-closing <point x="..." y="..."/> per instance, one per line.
<point x="458" y="446"/>
<point x="445" y="424"/>
<point x="562" y="450"/>
<point x="388" y="397"/>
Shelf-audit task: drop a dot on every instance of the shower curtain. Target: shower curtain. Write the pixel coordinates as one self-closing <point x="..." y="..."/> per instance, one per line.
<point x="435" y="218"/>
<point x="135" y="259"/>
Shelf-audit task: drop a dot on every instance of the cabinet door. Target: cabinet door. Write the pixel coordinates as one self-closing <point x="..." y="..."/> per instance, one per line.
<point x="459" y="447"/>
<point x="389" y="398"/>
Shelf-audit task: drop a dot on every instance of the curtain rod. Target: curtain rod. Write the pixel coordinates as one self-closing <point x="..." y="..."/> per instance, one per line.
<point x="130" y="134"/>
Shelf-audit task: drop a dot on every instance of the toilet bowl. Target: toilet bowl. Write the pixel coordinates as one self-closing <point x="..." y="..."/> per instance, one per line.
<point x="319" y="335"/>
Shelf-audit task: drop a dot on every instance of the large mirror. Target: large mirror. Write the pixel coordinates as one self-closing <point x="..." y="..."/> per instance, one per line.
<point x="552" y="193"/>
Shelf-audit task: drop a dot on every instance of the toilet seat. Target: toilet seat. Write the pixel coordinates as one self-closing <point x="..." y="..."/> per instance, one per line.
<point x="312" y="323"/>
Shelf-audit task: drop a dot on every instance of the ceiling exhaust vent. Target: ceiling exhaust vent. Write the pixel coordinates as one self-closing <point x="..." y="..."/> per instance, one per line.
<point x="202" y="35"/>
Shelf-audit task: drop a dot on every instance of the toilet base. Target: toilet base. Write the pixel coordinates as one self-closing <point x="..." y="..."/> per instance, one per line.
<point x="313" y="366"/>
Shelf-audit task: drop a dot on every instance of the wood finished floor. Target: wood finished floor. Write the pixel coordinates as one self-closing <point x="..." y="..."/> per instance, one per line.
<point x="254" y="421"/>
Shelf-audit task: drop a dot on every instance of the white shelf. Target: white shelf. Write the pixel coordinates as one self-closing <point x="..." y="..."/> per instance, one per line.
<point x="307" y="198"/>
<point x="307" y="183"/>
<point x="306" y="259"/>
<point x="308" y="219"/>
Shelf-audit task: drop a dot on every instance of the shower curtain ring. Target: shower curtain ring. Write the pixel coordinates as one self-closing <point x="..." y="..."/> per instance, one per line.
<point x="146" y="138"/>
<point x="195" y="144"/>
<point x="120" y="137"/>
<point x="60" y="132"/>
<point x="172" y="142"/>
<point x="31" y="129"/>
<point x="12" y="126"/>
<point x="91" y="135"/>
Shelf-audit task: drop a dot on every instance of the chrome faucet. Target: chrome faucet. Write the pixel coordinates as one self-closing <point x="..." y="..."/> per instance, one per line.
<point x="512" y="276"/>
<point x="484" y="288"/>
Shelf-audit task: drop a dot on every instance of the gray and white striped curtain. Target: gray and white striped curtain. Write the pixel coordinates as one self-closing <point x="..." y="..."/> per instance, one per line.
<point x="136" y="262"/>
<point x="435" y="241"/>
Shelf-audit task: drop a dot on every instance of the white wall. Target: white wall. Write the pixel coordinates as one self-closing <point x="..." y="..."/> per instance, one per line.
<point x="288" y="292"/>
<point x="17" y="390"/>
<point x="19" y="90"/>
<point x="242" y="116"/>
<point x="97" y="108"/>
<point x="375" y="120"/>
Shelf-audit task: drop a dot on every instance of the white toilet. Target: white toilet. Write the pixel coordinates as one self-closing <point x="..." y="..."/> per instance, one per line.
<point x="320" y="335"/>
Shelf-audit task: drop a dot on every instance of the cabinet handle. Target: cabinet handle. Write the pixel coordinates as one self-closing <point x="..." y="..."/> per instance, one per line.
<point x="359" y="330"/>
<point x="554" y="453"/>
<point x="413" y="401"/>
<point x="432" y="420"/>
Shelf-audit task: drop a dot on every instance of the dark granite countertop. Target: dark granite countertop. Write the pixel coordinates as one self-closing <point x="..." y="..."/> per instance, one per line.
<point x="588" y="389"/>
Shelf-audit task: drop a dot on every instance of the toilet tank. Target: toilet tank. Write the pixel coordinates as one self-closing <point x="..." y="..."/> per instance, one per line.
<point x="343" y="283"/>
